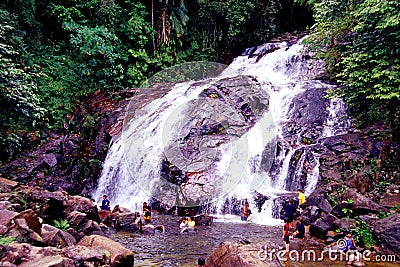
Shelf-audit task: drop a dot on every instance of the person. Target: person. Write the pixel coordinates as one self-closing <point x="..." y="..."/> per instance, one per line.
<point x="183" y="225"/>
<point x="105" y="204"/>
<point x="286" y="235"/>
<point x="350" y="244"/>
<point x="245" y="212"/>
<point x="290" y="211"/>
<point x="191" y="225"/>
<point x="201" y="262"/>
<point x="301" y="197"/>
<point x="300" y="229"/>
<point x="146" y="213"/>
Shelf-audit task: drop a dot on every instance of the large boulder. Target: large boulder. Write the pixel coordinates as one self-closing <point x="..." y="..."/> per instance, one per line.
<point x="203" y="219"/>
<point x="6" y="217"/>
<point x="318" y="199"/>
<point x="120" y="256"/>
<point x="361" y="204"/>
<point x="388" y="232"/>
<point x="128" y="221"/>
<point x="390" y="200"/>
<point x="244" y="255"/>
<point x="321" y="226"/>
<point x="6" y="186"/>
<point x="91" y="227"/>
<point x="85" y="256"/>
<point x="84" y="205"/>
<point x="56" y="238"/>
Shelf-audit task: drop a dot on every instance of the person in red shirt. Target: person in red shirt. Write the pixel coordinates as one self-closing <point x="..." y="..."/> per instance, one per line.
<point x="286" y="235"/>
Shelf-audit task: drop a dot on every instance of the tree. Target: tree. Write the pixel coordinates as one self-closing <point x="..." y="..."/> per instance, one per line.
<point x="360" y="42"/>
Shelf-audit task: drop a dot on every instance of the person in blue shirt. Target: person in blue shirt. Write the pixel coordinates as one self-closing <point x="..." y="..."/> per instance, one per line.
<point x="105" y="204"/>
<point x="290" y="210"/>
<point x="300" y="229"/>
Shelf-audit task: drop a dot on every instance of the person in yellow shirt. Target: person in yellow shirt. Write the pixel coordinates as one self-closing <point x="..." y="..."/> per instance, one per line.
<point x="191" y="225"/>
<point x="301" y="197"/>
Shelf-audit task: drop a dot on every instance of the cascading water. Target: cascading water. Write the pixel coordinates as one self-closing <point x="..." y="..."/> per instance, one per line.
<point x="286" y="74"/>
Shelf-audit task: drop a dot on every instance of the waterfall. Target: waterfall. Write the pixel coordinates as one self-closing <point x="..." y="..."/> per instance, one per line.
<point x="296" y="118"/>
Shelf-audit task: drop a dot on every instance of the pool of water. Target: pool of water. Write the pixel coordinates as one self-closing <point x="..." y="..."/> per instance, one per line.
<point x="172" y="248"/>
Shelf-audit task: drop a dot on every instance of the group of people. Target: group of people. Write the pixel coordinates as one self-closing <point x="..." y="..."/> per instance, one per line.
<point x="187" y="225"/>
<point x="292" y="209"/>
<point x="299" y="231"/>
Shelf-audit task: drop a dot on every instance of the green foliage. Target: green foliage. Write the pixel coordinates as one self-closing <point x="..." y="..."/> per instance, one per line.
<point x="382" y="215"/>
<point x="20" y="104"/>
<point x="23" y="200"/>
<point x="332" y="200"/>
<point x="52" y="53"/>
<point x="5" y="240"/>
<point x="359" y="41"/>
<point x="363" y="235"/>
<point x="61" y="224"/>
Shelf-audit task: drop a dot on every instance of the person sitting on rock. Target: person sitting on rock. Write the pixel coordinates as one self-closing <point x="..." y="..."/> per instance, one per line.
<point x="300" y="229"/>
<point x="105" y="204"/>
<point x="146" y="213"/>
<point x="350" y="244"/>
<point x="183" y="225"/>
<point x="191" y="225"/>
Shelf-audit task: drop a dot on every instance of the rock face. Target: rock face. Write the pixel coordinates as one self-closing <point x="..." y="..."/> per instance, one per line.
<point x="362" y="204"/>
<point x="388" y="232"/>
<point x="224" y="111"/>
<point x="228" y="254"/>
<point x="321" y="226"/>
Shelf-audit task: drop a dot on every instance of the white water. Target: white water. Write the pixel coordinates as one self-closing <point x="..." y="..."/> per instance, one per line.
<point x="128" y="178"/>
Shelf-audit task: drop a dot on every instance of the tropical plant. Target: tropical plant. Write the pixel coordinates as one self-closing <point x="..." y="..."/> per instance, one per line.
<point x="61" y="224"/>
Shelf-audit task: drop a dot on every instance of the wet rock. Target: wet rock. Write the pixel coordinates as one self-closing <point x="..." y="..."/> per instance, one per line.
<point x="203" y="219"/>
<point x="150" y="229"/>
<point x="91" y="227"/>
<point x="120" y="256"/>
<point x="260" y="200"/>
<point x="128" y="221"/>
<point x="232" y="254"/>
<point x="310" y="214"/>
<point x="321" y="226"/>
<point x="388" y="232"/>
